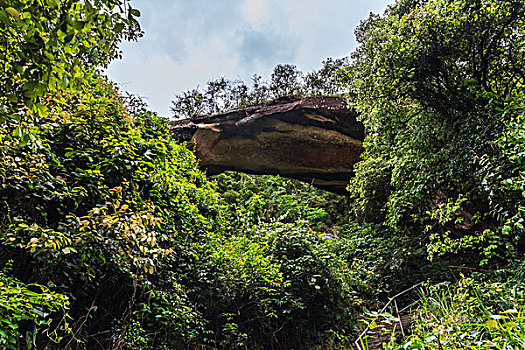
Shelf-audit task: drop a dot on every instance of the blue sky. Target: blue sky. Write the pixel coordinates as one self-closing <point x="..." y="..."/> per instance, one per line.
<point x="188" y="42"/>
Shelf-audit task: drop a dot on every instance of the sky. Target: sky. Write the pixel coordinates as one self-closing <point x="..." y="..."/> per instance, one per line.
<point x="189" y="42"/>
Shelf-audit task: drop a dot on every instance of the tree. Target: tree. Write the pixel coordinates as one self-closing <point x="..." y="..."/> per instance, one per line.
<point x="54" y="44"/>
<point x="432" y="79"/>
<point x="222" y="94"/>
<point x="327" y="81"/>
<point x="286" y="80"/>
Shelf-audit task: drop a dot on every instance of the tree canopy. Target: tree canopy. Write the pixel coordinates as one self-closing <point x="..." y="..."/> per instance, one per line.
<point x="221" y="94"/>
<point x="53" y="44"/>
<point x="436" y="82"/>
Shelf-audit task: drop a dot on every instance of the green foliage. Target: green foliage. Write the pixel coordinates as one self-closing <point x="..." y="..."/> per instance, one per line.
<point x="118" y="239"/>
<point x="272" y="278"/>
<point x="280" y="285"/>
<point x="469" y="315"/>
<point x="110" y="208"/>
<point x="166" y="318"/>
<point x="439" y="84"/>
<point x="436" y="82"/>
<point x="105" y="203"/>
<point x="511" y="178"/>
<point x="99" y="162"/>
<point x="487" y="243"/>
<point x="266" y="198"/>
<point x="384" y="261"/>
<point x="28" y="311"/>
<point x="49" y="45"/>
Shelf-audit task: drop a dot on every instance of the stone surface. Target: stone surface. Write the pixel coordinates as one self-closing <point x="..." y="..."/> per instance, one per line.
<point x="317" y="140"/>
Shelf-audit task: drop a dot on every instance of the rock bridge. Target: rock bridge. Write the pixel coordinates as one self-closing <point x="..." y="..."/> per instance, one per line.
<point x="316" y="140"/>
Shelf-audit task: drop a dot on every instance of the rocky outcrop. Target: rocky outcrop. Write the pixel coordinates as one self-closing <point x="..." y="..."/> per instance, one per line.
<point x="317" y="140"/>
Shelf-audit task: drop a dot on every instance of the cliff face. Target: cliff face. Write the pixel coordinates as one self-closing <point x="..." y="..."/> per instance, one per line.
<point x="317" y="140"/>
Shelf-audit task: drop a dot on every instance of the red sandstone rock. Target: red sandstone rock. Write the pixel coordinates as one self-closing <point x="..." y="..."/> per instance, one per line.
<point x="316" y="139"/>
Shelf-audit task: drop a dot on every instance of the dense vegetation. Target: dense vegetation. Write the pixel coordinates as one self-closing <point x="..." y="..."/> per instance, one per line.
<point x="111" y="236"/>
<point x="440" y="85"/>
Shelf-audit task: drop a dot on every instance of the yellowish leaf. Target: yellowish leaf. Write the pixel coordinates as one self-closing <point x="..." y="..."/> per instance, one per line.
<point x="13" y="12"/>
<point x="491" y="324"/>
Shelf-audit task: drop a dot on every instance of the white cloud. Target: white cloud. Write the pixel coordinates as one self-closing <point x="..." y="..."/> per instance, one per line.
<point x="158" y="77"/>
<point x="189" y="42"/>
<point x="255" y="10"/>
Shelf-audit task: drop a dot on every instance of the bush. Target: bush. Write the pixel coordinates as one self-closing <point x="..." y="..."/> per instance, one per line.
<point x="278" y="285"/>
<point x="31" y="311"/>
<point x="98" y="204"/>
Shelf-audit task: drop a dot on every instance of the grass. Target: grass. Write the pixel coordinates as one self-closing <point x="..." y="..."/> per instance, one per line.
<point x="468" y="315"/>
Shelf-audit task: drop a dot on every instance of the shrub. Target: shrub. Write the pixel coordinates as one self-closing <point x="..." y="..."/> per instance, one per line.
<point x="97" y="205"/>
<point x="28" y="311"/>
